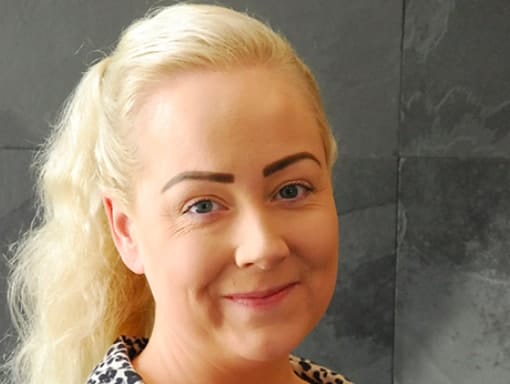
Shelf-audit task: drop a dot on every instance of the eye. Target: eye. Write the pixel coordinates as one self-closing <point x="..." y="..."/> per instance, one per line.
<point x="202" y="207"/>
<point x="293" y="191"/>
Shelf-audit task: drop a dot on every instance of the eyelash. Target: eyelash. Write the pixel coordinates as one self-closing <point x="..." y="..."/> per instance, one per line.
<point x="306" y="187"/>
<point x="189" y="207"/>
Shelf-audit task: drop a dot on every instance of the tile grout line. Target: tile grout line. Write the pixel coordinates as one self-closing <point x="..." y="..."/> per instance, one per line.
<point x="397" y="182"/>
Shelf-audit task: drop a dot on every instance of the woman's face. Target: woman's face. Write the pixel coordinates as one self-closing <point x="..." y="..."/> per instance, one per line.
<point x="234" y="222"/>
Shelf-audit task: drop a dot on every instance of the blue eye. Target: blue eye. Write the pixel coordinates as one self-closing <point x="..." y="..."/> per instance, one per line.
<point x="202" y="207"/>
<point x="293" y="191"/>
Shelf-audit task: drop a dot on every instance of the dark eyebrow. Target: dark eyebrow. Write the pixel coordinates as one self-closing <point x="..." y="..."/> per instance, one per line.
<point x="199" y="175"/>
<point x="278" y="165"/>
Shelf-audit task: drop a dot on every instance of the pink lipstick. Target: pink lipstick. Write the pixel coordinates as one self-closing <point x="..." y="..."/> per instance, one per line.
<point x="262" y="298"/>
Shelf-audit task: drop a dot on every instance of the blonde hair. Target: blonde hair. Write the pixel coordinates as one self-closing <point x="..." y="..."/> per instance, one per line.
<point x="70" y="293"/>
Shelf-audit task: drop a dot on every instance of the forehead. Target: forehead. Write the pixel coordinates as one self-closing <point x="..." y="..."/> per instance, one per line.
<point x="217" y="116"/>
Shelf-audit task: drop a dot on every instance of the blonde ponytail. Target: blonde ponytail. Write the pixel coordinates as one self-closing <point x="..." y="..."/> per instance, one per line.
<point x="65" y="270"/>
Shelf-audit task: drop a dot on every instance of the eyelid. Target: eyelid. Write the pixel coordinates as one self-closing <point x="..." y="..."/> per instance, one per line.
<point x="193" y="202"/>
<point x="306" y="185"/>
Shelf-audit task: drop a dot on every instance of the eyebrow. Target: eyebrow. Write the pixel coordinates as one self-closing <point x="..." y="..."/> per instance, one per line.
<point x="278" y="165"/>
<point x="199" y="175"/>
<point x="219" y="177"/>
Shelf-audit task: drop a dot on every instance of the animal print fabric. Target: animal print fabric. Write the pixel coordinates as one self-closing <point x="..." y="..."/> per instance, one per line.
<point x="116" y="367"/>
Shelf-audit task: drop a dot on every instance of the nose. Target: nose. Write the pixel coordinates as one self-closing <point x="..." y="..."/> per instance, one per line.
<point x="260" y="242"/>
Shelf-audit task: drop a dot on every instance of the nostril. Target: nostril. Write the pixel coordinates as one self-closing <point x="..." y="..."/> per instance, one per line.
<point x="264" y="267"/>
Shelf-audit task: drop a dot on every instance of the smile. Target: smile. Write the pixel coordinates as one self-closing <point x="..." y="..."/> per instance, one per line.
<point x="263" y="298"/>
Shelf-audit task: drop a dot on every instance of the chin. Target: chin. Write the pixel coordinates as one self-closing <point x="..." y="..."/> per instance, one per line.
<point x="277" y="342"/>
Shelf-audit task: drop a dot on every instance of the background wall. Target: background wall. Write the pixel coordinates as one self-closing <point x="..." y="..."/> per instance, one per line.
<point x="419" y="96"/>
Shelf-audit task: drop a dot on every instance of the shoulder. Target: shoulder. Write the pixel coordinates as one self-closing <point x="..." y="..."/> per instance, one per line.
<point x="314" y="373"/>
<point x="116" y="365"/>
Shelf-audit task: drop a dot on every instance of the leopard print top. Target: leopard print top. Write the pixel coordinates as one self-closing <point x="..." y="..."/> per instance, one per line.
<point x="116" y="367"/>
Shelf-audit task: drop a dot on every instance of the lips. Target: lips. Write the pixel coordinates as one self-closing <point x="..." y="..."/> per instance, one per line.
<point x="263" y="296"/>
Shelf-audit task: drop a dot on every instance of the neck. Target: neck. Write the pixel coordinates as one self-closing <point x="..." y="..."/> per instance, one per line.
<point x="166" y="362"/>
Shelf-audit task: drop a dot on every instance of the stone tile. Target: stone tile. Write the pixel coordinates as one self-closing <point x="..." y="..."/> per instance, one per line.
<point x="452" y="313"/>
<point x="362" y="183"/>
<point x="15" y="179"/>
<point x="16" y="213"/>
<point x="356" y="336"/>
<point x="353" y="48"/>
<point x="455" y="88"/>
<point x="49" y="45"/>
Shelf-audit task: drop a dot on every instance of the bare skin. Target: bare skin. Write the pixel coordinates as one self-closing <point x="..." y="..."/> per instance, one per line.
<point x="234" y="225"/>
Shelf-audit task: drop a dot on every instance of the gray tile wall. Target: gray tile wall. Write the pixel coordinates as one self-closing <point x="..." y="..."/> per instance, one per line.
<point x="453" y="263"/>
<point x="419" y="96"/>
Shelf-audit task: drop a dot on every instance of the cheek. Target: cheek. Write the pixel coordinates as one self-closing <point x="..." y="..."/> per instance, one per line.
<point x="316" y="253"/>
<point x="316" y="239"/>
<point x="183" y="267"/>
<point x="316" y="247"/>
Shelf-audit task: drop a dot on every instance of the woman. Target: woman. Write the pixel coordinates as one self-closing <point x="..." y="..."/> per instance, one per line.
<point x="187" y="213"/>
